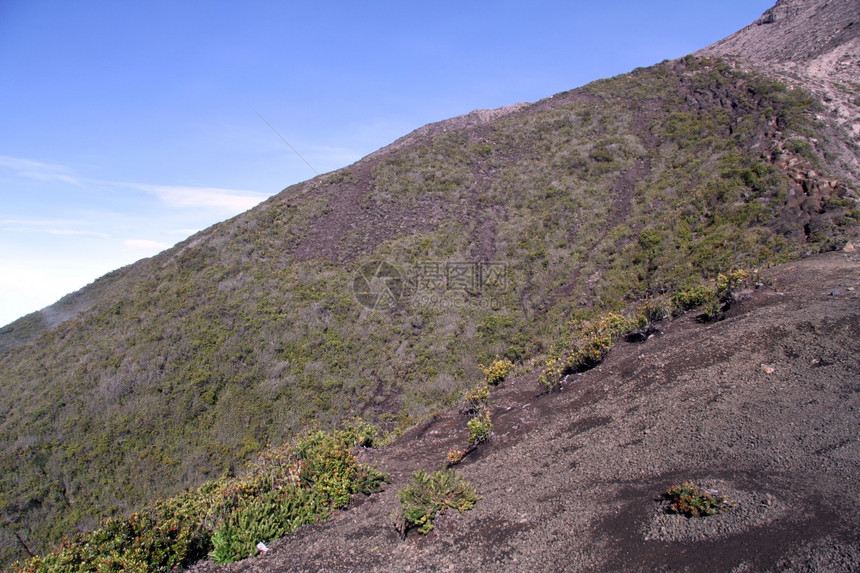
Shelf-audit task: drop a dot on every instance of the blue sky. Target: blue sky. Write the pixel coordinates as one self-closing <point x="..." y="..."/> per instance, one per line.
<point x="125" y="126"/>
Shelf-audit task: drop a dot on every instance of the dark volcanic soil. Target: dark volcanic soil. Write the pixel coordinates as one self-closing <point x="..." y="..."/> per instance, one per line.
<point x="763" y="406"/>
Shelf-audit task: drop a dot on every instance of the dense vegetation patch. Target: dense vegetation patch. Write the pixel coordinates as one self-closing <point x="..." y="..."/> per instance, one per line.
<point x="430" y="494"/>
<point x="226" y="518"/>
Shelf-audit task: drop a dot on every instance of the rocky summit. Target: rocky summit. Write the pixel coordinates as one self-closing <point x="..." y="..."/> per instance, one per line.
<point x="815" y="45"/>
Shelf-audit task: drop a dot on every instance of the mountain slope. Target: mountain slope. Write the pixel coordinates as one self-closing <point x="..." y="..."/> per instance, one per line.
<point x="815" y="45"/>
<point x="762" y="406"/>
<point x="795" y="32"/>
<point x="175" y="369"/>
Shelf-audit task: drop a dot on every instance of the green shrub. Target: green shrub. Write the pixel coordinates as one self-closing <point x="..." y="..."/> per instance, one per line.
<point x="430" y="494"/>
<point x="477" y="396"/>
<point x="591" y="341"/>
<point x="692" y="298"/>
<point x="656" y="309"/>
<point x="169" y="534"/>
<point x="480" y="427"/>
<point x="285" y="488"/>
<point x="262" y="519"/>
<point x="725" y="286"/>
<point x="712" y="300"/>
<point x="496" y="372"/>
<point x="690" y="500"/>
<point x="729" y="282"/>
<point x="454" y="457"/>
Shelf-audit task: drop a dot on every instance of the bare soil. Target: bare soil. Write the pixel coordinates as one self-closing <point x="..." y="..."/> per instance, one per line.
<point x="763" y="406"/>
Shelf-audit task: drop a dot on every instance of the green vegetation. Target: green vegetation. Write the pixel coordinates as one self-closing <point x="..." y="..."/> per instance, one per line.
<point x="480" y="424"/>
<point x="495" y="373"/>
<point x="430" y="494"/>
<point x="589" y="343"/>
<point x="177" y="370"/>
<point x="477" y="397"/>
<point x="286" y="488"/>
<point x="480" y="427"/>
<point x="714" y="298"/>
<point x="694" y="297"/>
<point x="454" y="457"/>
<point x="691" y="500"/>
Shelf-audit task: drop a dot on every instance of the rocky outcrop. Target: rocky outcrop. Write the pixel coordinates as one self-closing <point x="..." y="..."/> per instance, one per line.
<point x="813" y="45"/>
<point x="784" y="9"/>
<point x="794" y="30"/>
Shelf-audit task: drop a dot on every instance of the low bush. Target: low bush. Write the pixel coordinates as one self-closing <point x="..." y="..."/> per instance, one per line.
<point x="713" y="300"/>
<point x="590" y="343"/>
<point x="692" y="298"/>
<point x="496" y="372"/>
<point x="286" y="488"/>
<point x="656" y="309"/>
<point x="480" y="427"/>
<point x="262" y="519"/>
<point x="476" y="397"/>
<point x="455" y="457"/>
<point x="430" y="494"/>
<point x="728" y="283"/>
<point x="691" y="500"/>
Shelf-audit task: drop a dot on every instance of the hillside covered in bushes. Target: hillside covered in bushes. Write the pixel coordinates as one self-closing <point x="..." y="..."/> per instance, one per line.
<point x="378" y="290"/>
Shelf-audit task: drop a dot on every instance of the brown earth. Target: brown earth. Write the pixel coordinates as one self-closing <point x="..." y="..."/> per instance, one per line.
<point x="763" y="406"/>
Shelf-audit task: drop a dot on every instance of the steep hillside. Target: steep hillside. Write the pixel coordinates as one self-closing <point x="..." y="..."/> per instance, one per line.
<point x="815" y="45"/>
<point x="763" y="407"/>
<point x="495" y="229"/>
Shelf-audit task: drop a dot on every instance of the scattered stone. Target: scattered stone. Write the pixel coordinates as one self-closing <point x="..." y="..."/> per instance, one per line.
<point x="835" y="292"/>
<point x="768" y="369"/>
<point x="262" y="548"/>
<point x="849" y="248"/>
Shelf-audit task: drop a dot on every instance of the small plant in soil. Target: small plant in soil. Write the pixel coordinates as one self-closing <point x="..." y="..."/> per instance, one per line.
<point x="691" y="500"/>
<point x="477" y="397"/>
<point x="480" y="427"/>
<point x="495" y="373"/>
<point x="455" y="456"/>
<point x="429" y="495"/>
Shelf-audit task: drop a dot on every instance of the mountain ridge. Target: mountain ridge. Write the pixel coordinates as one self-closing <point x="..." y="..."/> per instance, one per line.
<point x="816" y="45"/>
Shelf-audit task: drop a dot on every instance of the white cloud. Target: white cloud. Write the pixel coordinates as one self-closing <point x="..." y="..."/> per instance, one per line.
<point x="232" y="200"/>
<point x="145" y="244"/>
<point x="38" y="170"/>
<point x="50" y="227"/>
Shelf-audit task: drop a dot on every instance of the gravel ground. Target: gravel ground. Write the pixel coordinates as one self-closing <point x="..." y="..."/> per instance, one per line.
<point x="763" y="406"/>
